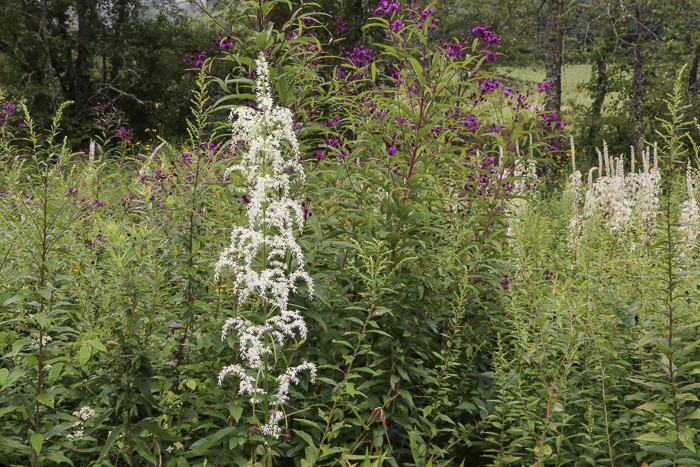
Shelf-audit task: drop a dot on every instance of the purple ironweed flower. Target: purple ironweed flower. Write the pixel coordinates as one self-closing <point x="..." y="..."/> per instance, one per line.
<point x="360" y="56"/>
<point x="488" y="86"/>
<point x="385" y="8"/>
<point x="486" y="34"/>
<point x="505" y="282"/>
<point x="396" y="26"/>
<point x="125" y="135"/>
<point x="392" y="151"/>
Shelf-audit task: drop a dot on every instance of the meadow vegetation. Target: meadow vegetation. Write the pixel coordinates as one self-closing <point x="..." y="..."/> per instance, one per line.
<point x="355" y="259"/>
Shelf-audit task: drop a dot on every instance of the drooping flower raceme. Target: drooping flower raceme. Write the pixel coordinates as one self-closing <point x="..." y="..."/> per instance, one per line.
<point x="264" y="257"/>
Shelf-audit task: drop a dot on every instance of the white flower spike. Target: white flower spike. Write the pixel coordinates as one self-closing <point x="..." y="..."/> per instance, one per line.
<point x="269" y="165"/>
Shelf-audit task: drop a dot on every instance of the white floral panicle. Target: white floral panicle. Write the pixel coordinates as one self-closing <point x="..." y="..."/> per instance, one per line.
<point x="573" y="189"/>
<point x="690" y="212"/>
<point x="269" y="165"/>
<point x="624" y="200"/>
<point x="83" y="415"/>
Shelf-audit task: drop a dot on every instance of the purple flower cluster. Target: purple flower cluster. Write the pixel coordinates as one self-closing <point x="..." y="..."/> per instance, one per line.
<point x="339" y="23"/>
<point x="360" y="57"/>
<point x="552" y="120"/>
<point x="421" y="16"/>
<point x="485" y="33"/>
<point x="451" y="49"/>
<point x="485" y="177"/>
<point x="126" y="135"/>
<point x="487" y="38"/>
<point x="196" y="60"/>
<point x="307" y="210"/>
<point x="385" y="8"/>
<point x="489" y="85"/>
<point x="505" y="282"/>
<point x="6" y="111"/>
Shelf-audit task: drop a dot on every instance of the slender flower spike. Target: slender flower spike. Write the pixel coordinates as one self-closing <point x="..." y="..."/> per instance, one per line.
<point x="264" y="257"/>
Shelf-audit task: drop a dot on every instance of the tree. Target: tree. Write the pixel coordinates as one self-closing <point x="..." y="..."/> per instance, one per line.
<point x="553" y="52"/>
<point x="90" y="51"/>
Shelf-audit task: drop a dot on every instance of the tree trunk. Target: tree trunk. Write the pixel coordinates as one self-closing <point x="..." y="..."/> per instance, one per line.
<point x="693" y="76"/>
<point x="601" y="90"/>
<point x="553" y="54"/>
<point x="118" y="29"/>
<point x="82" y="60"/>
<point x="637" y="79"/>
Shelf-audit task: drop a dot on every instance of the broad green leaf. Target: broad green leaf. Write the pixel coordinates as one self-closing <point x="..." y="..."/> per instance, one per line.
<point x="36" y="440"/>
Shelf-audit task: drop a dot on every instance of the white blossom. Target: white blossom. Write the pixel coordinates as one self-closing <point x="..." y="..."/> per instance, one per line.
<point x="264" y="258"/>
<point x="622" y="200"/>
<point x="690" y="212"/>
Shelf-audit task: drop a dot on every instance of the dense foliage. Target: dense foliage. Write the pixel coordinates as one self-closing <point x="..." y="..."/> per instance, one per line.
<point x="359" y="265"/>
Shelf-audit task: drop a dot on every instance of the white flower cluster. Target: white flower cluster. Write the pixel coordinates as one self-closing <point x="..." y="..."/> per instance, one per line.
<point x="45" y="339"/>
<point x="574" y="190"/>
<point x="174" y="446"/>
<point x="83" y="415"/>
<point x="690" y="212"/>
<point x="624" y="200"/>
<point x="269" y="165"/>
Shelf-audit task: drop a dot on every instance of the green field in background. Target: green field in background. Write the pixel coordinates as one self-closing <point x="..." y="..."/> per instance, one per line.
<point x="572" y="76"/>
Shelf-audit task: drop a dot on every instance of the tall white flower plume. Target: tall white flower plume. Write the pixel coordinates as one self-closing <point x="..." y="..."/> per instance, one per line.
<point x="264" y="257"/>
<point x="690" y="212"/>
<point x="622" y="200"/>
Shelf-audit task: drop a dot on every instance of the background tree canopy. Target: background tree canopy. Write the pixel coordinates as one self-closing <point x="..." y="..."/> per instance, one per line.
<point x="131" y="55"/>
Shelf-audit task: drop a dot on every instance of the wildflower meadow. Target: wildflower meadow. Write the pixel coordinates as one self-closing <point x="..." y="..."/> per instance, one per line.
<point x="361" y="256"/>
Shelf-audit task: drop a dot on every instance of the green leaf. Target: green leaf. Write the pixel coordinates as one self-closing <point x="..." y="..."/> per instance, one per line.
<point x="36" y="440"/>
<point x="45" y="292"/>
<point x="58" y="458"/>
<point x="654" y="406"/>
<point x="201" y="446"/>
<point x="686" y="438"/>
<point x="14" y="376"/>
<point x="652" y="437"/>
<point x="235" y="411"/>
<point x="14" y="299"/>
<point x="664" y="349"/>
<point x="46" y="399"/>
<point x="84" y="354"/>
<point x="116" y="431"/>
<point x="55" y="372"/>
